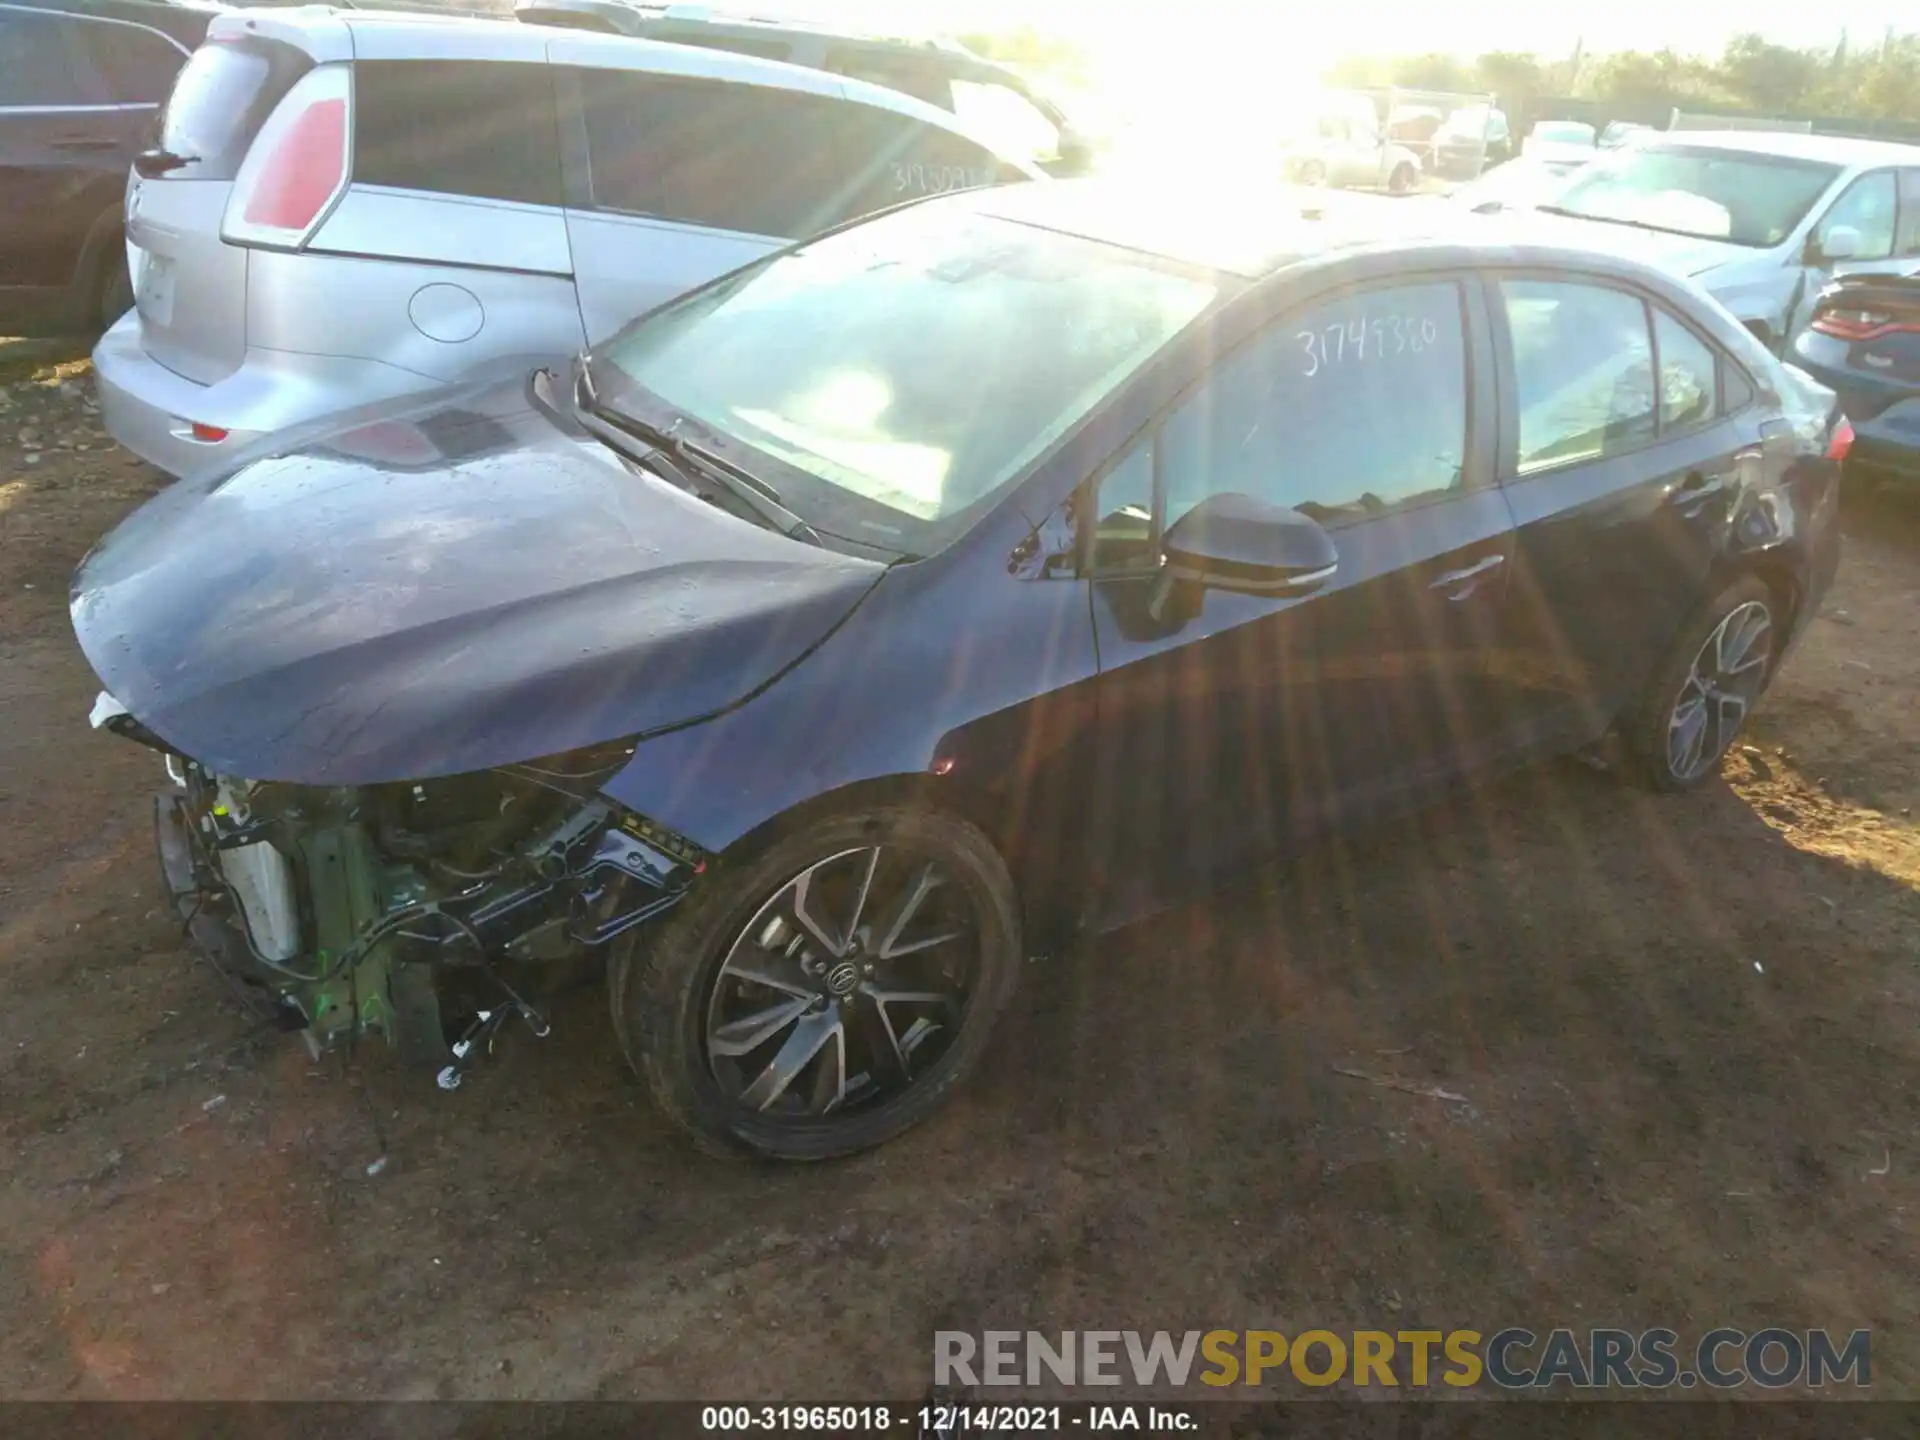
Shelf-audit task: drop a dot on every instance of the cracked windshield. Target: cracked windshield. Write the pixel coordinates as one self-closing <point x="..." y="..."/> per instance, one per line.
<point x="953" y="718"/>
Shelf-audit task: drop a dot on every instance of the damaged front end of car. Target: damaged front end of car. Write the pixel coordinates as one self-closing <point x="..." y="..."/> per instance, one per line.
<point x="424" y="913"/>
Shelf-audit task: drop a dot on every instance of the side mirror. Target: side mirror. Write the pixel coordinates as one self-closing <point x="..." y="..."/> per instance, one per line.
<point x="1235" y="542"/>
<point x="1842" y="242"/>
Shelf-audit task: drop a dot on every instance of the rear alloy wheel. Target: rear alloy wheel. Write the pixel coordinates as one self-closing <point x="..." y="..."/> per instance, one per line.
<point x="1402" y="180"/>
<point x="827" y="994"/>
<point x="1706" y="689"/>
<point x="1312" y="172"/>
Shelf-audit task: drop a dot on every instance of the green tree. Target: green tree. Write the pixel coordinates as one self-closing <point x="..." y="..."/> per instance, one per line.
<point x="1769" y="78"/>
<point x="1518" y="80"/>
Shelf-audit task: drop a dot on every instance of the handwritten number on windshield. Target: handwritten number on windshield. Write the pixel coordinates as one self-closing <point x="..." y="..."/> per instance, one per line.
<point x="1358" y="341"/>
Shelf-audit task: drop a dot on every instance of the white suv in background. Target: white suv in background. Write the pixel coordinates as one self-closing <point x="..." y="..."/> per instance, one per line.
<point x="344" y="207"/>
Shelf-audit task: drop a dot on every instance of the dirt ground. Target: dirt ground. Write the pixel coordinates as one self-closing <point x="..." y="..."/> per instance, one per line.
<point x="1687" y="1031"/>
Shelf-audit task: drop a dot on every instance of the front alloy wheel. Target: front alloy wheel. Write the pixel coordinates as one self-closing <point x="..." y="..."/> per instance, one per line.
<point x="852" y="978"/>
<point x="826" y="993"/>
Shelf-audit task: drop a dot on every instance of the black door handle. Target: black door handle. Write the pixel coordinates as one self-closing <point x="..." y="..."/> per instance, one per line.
<point x="84" y="142"/>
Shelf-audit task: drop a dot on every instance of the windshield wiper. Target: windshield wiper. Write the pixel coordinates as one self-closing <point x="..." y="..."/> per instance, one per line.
<point x="1640" y="225"/>
<point x="694" y="463"/>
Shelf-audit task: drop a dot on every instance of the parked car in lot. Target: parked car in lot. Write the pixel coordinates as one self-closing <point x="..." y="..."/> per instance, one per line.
<point x="1864" y="343"/>
<point x="80" y="81"/>
<point x="308" y="158"/>
<point x="994" y="100"/>
<point x="838" y="634"/>
<point x="1624" y="132"/>
<point x="1337" y="140"/>
<point x="1558" y="144"/>
<point x="1473" y="139"/>
<point x="1762" y="221"/>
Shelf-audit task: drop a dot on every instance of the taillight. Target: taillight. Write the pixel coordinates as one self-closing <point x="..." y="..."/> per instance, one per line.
<point x="1841" y="441"/>
<point x="298" y="163"/>
<point x="1857" y="325"/>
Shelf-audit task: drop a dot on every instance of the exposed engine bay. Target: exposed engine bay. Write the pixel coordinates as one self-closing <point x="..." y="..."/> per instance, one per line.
<point x="412" y="912"/>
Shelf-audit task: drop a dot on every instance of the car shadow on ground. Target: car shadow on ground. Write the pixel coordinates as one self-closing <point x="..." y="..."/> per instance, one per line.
<point x="1557" y="1053"/>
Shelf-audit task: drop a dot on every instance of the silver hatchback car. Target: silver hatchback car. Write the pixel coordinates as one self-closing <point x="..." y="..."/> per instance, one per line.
<point x="344" y="208"/>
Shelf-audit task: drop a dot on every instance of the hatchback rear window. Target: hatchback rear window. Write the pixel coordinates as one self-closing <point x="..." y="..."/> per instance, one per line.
<point x="457" y="127"/>
<point x="223" y="96"/>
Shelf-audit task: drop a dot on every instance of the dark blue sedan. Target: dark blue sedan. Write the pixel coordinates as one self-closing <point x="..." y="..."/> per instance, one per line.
<point x="1864" y="343"/>
<point x="1014" y="563"/>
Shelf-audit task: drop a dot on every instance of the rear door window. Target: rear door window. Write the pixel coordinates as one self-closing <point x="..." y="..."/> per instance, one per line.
<point x="457" y="127"/>
<point x="219" y="101"/>
<point x="1583" y="371"/>
<point x="40" y="65"/>
<point x="746" y="158"/>
<point x="139" y="65"/>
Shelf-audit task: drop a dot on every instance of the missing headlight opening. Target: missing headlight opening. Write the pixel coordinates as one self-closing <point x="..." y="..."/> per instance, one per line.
<point x="420" y="913"/>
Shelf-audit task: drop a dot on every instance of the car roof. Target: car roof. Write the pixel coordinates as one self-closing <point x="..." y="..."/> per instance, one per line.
<point x="746" y="24"/>
<point x="1215" y="228"/>
<point x="1791" y="145"/>
<point x="410" y="36"/>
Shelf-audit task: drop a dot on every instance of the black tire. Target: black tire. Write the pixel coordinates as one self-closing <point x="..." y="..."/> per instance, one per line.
<point x="113" y="291"/>
<point x="1652" y="727"/>
<point x="663" y="980"/>
<point x="1402" y="179"/>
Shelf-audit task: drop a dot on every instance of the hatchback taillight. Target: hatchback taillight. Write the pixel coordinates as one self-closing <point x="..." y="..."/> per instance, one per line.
<point x="297" y="165"/>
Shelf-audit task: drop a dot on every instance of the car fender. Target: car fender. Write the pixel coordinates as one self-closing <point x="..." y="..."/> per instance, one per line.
<point x="955" y="680"/>
<point x="1758" y="299"/>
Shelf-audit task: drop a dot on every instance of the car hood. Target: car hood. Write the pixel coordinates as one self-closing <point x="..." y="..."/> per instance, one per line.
<point x="1564" y="154"/>
<point x="1687" y="255"/>
<point x="440" y="588"/>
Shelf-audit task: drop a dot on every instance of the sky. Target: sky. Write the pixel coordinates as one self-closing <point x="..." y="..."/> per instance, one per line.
<point x="1388" y="26"/>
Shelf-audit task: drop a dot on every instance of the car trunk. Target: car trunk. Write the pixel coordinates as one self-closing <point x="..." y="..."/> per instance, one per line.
<point x="190" y="285"/>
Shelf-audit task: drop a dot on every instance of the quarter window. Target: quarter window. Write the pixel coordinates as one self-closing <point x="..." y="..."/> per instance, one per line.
<point x="419" y="125"/>
<point x="1583" y="371"/>
<point x="1688" y="374"/>
<point x="1342" y="412"/>
<point x="1868" y="207"/>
